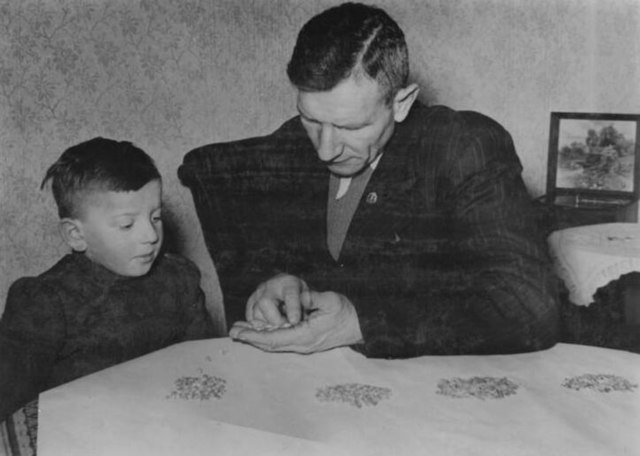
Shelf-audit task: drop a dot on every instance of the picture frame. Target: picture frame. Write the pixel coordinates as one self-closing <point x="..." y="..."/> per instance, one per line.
<point x="594" y="159"/>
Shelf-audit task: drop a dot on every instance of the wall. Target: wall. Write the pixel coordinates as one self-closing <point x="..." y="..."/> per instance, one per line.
<point x="171" y="75"/>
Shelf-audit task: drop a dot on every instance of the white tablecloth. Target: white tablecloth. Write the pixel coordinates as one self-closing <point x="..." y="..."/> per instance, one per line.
<point x="569" y="400"/>
<point x="589" y="257"/>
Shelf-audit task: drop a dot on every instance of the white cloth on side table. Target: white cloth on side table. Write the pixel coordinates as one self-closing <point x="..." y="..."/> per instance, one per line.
<point x="589" y="257"/>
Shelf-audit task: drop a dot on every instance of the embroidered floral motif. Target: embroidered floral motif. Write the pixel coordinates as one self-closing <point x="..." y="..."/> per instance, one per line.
<point x="478" y="387"/>
<point x="602" y="383"/>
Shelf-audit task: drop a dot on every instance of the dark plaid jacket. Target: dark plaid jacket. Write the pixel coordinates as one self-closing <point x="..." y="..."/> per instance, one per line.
<point x="443" y="255"/>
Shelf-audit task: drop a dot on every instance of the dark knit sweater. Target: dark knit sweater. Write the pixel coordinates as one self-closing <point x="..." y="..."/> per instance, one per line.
<point x="78" y="318"/>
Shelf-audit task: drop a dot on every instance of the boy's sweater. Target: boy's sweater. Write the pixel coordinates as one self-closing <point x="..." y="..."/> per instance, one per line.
<point x="78" y="318"/>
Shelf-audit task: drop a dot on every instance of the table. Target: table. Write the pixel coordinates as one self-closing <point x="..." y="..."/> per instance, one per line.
<point x="222" y="397"/>
<point x="589" y="257"/>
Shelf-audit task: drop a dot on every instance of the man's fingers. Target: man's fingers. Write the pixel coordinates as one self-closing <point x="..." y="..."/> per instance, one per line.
<point x="238" y="327"/>
<point x="249" y="311"/>
<point x="241" y="324"/>
<point x="306" y="300"/>
<point x="292" y="307"/>
<point x="270" y="311"/>
<point x="311" y="302"/>
<point x="279" y="340"/>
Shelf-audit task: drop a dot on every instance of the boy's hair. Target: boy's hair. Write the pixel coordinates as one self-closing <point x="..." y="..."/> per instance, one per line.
<point x="97" y="165"/>
<point x="347" y="39"/>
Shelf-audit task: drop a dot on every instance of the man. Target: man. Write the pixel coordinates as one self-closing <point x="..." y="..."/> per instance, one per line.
<point x="428" y="244"/>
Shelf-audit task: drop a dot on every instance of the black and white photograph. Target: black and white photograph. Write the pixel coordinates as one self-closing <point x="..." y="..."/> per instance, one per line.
<point x="319" y="227"/>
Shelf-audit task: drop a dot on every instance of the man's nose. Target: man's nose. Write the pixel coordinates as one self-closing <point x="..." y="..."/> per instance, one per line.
<point x="328" y="146"/>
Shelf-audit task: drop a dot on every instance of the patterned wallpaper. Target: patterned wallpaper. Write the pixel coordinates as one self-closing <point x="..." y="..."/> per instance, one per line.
<point x="170" y="75"/>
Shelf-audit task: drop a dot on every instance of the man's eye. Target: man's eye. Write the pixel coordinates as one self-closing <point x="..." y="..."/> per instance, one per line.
<point x="126" y="226"/>
<point x="350" y="128"/>
<point x="157" y="219"/>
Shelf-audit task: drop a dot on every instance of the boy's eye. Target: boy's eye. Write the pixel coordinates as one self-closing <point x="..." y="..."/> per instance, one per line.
<point x="125" y="223"/>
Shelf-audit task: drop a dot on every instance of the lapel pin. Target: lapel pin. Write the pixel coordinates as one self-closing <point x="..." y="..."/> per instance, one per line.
<point x="372" y="198"/>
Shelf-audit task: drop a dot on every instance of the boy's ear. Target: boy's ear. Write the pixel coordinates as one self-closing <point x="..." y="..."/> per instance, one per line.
<point x="71" y="231"/>
<point x="403" y="101"/>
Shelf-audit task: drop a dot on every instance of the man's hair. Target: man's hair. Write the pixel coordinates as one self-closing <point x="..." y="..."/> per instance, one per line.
<point x="345" y="40"/>
<point x="97" y="165"/>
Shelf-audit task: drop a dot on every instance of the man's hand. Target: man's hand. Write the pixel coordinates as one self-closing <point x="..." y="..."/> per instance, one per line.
<point x="276" y="302"/>
<point x="330" y="321"/>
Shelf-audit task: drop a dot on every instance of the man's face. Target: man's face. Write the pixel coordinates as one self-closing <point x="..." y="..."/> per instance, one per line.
<point x="123" y="230"/>
<point x="348" y="125"/>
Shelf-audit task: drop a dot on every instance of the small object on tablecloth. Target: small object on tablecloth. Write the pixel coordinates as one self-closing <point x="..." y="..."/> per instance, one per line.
<point x="589" y="257"/>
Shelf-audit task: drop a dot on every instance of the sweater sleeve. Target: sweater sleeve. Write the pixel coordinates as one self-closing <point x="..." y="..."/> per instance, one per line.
<point x="198" y="321"/>
<point x="31" y="334"/>
<point x="497" y="295"/>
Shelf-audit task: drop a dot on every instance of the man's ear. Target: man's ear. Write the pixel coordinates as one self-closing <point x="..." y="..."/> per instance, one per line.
<point x="71" y="231"/>
<point x="403" y="101"/>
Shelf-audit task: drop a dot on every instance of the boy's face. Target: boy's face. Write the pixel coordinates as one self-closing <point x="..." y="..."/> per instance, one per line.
<point x="122" y="231"/>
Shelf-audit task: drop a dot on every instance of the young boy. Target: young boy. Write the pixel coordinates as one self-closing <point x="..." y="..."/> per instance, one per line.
<point x="117" y="296"/>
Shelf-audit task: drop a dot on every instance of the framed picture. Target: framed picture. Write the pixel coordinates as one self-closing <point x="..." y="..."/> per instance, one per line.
<point x="593" y="158"/>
